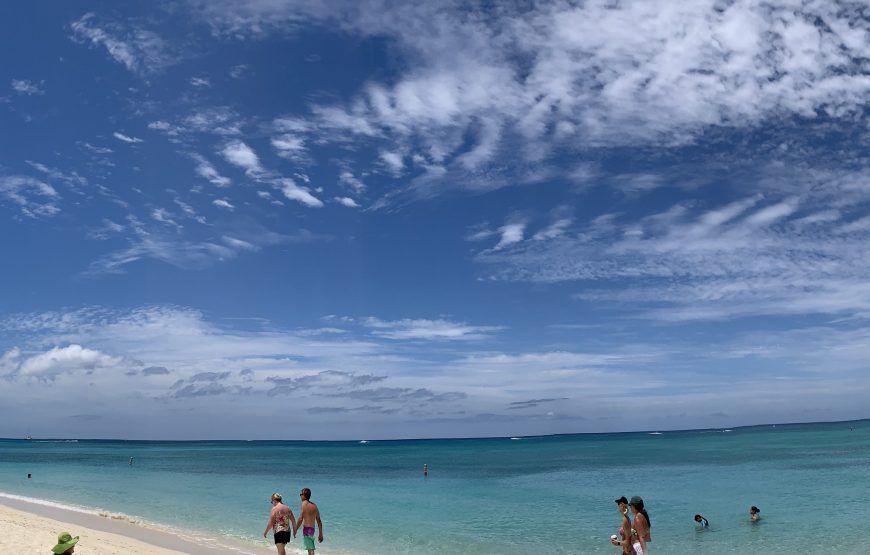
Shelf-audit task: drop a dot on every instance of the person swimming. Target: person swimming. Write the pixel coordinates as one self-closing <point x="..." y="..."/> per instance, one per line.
<point x="754" y="513"/>
<point x="702" y="521"/>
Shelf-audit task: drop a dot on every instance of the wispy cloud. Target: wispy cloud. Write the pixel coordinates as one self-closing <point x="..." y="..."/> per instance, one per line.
<point x="33" y="197"/>
<point x="24" y="86"/>
<point x="222" y="203"/>
<point x="139" y="50"/>
<point x="421" y="329"/>
<point x="753" y="256"/>
<point x="126" y="138"/>
<point x="207" y="171"/>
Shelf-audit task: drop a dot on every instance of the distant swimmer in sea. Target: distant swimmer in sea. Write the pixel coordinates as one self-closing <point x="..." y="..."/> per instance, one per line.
<point x="131" y="461"/>
<point x="28" y="475"/>
<point x="281" y="522"/>
<point x="66" y="544"/>
<point x="623" y="540"/>
<point x="754" y="513"/>
<point x="641" y="525"/>
<point x="309" y="514"/>
<point x="425" y="470"/>
<point x="702" y="521"/>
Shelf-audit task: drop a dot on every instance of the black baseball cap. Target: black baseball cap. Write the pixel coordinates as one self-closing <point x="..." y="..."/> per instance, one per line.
<point x="622" y="500"/>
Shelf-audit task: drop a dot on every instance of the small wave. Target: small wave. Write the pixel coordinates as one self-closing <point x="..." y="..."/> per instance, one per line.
<point x="364" y="441"/>
<point x="516" y="438"/>
<point x="655" y="433"/>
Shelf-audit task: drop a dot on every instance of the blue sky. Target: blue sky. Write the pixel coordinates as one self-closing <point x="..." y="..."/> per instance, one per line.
<point x="418" y="219"/>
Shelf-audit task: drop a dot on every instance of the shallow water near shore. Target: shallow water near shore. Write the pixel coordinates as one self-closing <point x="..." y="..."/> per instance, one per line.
<point x="485" y="496"/>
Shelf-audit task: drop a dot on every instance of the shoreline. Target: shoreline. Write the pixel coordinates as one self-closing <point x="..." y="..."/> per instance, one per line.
<point x="32" y="525"/>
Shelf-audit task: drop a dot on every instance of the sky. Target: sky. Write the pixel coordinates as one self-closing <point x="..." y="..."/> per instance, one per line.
<point x="306" y="219"/>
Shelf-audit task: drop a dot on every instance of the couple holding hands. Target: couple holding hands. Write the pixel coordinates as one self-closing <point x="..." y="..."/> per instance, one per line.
<point x="281" y="521"/>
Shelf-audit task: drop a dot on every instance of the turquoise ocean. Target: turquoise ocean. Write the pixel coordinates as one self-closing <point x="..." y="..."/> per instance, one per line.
<point x="501" y="496"/>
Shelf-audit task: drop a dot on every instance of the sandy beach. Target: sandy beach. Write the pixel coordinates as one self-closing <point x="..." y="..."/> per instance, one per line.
<point x="33" y="528"/>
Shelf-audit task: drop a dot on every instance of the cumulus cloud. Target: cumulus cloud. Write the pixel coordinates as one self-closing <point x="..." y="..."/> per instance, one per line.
<point x="241" y="155"/>
<point x="298" y="193"/>
<point x="221" y="203"/>
<point x="56" y="361"/>
<point x="486" y="98"/>
<point x="347" y="201"/>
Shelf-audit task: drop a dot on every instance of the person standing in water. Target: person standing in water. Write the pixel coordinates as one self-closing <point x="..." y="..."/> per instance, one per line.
<point x="754" y="513"/>
<point x="641" y="524"/>
<point x="309" y="514"/>
<point x="281" y="521"/>
<point x="425" y="470"/>
<point x="624" y="538"/>
<point x="702" y="521"/>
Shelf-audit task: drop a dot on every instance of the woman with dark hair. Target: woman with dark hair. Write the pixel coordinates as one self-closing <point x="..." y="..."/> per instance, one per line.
<point x="754" y="513"/>
<point x="641" y="523"/>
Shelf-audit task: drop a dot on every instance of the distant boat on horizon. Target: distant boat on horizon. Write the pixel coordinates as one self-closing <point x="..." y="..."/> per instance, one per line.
<point x="27" y="437"/>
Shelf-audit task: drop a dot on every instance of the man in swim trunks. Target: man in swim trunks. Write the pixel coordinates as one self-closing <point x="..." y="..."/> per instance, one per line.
<point x="280" y="521"/>
<point x="308" y="515"/>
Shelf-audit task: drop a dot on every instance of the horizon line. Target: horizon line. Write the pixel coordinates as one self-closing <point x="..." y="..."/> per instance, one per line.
<point x="468" y="438"/>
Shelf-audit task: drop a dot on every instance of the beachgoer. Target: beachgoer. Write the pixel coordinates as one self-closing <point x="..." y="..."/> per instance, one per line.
<point x="641" y="525"/>
<point x="66" y="544"/>
<point x="702" y="521"/>
<point x="28" y="475"/>
<point x="309" y="514"/>
<point x="131" y="461"/>
<point x="624" y="539"/>
<point x="281" y="521"/>
<point x="754" y="513"/>
<point x="425" y="470"/>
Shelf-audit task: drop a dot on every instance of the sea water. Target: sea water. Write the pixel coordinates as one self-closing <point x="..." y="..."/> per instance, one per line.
<point x="498" y="496"/>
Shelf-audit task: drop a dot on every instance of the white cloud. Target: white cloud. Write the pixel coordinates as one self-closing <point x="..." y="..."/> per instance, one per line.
<point x="221" y="203"/>
<point x="126" y="138"/>
<point x="164" y="216"/>
<point x="24" y="86"/>
<point x="205" y="170"/>
<point x="422" y="329"/>
<point x="298" y="193"/>
<point x="554" y="230"/>
<point x="483" y="99"/>
<point x="33" y="197"/>
<point x="58" y="360"/>
<point x="200" y="82"/>
<point x="347" y="179"/>
<point x="347" y="201"/>
<point x="290" y="146"/>
<point x="511" y="233"/>
<point x="139" y="50"/>
<point x="759" y="255"/>
<point x="241" y="155"/>
<point x="394" y="162"/>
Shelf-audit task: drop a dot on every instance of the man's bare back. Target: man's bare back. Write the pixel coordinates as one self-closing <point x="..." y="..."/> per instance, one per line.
<point x="309" y="515"/>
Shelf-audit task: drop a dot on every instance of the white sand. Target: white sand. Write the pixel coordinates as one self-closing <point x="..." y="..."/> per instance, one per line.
<point x="27" y="528"/>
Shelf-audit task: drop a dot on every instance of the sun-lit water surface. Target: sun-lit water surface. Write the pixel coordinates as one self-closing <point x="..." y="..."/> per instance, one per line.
<point x="483" y="496"/>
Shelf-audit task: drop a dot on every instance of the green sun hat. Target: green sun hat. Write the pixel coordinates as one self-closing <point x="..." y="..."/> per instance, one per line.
<point x="64" y="542"/>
